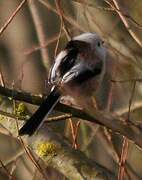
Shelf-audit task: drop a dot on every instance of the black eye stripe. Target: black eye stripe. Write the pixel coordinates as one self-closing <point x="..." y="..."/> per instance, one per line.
<point x="99" y="43"/>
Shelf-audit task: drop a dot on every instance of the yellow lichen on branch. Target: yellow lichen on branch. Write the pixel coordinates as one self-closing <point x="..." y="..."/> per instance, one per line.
<point x="47" y="149"/>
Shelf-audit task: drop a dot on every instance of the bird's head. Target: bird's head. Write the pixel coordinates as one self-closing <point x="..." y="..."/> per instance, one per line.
<point x="96" y="44"/>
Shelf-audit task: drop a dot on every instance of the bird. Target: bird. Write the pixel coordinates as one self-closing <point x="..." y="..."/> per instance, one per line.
<point x="77" y="71"/>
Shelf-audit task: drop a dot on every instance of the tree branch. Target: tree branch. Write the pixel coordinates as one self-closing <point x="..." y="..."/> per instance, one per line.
<point x="109" y="120"/>
<point x="55" y="151"/>
<point x="3" y="28"/>
<point x="53" y="148"/>
<point x="40" y="31"/>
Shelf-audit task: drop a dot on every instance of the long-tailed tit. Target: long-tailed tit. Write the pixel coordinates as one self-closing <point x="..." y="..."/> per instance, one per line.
<point x="77" y="71"/>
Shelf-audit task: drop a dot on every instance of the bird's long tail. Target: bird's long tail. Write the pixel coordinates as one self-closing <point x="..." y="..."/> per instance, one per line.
<point x="36" y="120"/>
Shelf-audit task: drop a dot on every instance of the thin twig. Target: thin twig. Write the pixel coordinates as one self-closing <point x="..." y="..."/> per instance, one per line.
<point x="92" y="5"/>
<point x="61" y="14"/>
<point x="47" y="43"/>
<point x="112" y="8"/>
<point x="124" y="14"/>
<point x="40" y="31"/>
<point x="125" y="146"/>
<point x="58" y="118"/>
<point x="3" y="28"/>
<point x="106" y="133"/>
<point x="7" y="172"/>
<point x="13" y="168"/>
<point x="128" y="129"/>
<point x="72" y="128"/>
<point x="23" y="118"/>
<point x="74" y="132"/>
<point x="32" y="158"/>
<point x="124" y="154"/>
<point x="52" y="40"/>
<point x="61" y="27"/>
<point x="75" y="144"/>
<point x="67" y="18"/>
<point x="125" y="21"/>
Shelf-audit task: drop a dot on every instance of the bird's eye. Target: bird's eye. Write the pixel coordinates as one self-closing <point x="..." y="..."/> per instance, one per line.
<point x="99" y="44"/>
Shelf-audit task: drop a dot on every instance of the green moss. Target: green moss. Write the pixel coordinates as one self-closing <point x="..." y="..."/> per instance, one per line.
<point x="20" y="109"/>
<point x="47" y="149"/>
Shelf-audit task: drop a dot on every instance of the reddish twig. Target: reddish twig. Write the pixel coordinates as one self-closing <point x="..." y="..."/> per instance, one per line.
<point x="89" y="4"/>
<point x="124" y="154"/>
<point x="7" y="172"/>
<point x="40" y="31"/>
<point x="61" y="26"/>
<point x="75" y="144"/>
<point x="47" y="43"/>
<point x="32" y="158"/>
<point x="74" y="132"/>
<point x="28" y="152"/>
<point x="117" y="8"/>
<point x="67" y="18"/>
<point x="125" y="146"/>
<point x="113" y="8"/>
<point x="61" y="14"/>
<point x="12" y="17"/>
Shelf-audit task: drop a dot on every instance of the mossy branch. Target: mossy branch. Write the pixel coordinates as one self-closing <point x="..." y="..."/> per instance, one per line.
<point x="54" y="150"/>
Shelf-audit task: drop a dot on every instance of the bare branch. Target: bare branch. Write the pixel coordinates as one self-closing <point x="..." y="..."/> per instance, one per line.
<point x="118" y="8"/>
<point x="56" y="152"/>
<point x="111" y="121"/>
<point x="3" y="28"/>
<point x="40" y="32"/>
<point x="67" y="18"/>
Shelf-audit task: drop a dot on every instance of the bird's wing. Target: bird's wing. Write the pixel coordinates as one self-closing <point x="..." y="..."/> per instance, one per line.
<point x="66" y="60"/>
<point x="81" y="73"/>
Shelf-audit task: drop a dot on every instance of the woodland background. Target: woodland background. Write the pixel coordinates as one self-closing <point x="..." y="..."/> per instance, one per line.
<point x="32" y="32"/>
